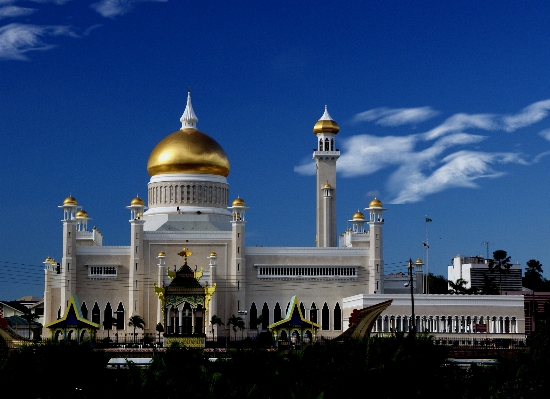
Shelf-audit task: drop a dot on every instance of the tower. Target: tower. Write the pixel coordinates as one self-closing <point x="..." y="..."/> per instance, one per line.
<point x="376" y="259"/>
<point x="136" y="272"/>
<point x="325" y="157"/>
<point x="68" y="264"/>
<point x="237" y="271"/>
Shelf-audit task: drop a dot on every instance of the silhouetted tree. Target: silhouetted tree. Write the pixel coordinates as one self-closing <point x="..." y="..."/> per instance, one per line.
<point x="501" y="264"/>
<point x="136" y="321"/>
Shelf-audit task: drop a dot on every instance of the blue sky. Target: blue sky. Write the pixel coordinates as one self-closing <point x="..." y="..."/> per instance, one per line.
<point x="443" y="111"/>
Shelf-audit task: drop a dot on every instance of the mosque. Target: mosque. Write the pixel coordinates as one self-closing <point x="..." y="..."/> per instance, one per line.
<point x="190" y="219"/>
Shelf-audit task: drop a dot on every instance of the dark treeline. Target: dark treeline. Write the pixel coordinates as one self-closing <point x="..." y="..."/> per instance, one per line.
<point x="394" y="367"/>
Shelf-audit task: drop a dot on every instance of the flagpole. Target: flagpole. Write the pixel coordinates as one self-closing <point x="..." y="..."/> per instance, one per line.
<point x="427" y="245"/>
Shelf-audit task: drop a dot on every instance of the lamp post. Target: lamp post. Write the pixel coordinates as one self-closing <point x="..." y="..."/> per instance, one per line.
<point x="412" y="329"/>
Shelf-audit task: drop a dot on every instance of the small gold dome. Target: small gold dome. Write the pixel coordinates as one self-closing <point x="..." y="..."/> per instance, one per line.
<point x="419" y="261"/>
<point x="82" y="214"/>
<point x="375" y="203"/>
<point x="238" y="202"/>
<point x="137" y="201"/>
<point x="161" y="253"/>
<point x="48" y="260"/>
<point x="327" y="185"/>
<point x="358" y="216"/>
<point x="213" y="254"/>
<point x="326" y="124"/>
<point x="69" y="201"/>
<point x="188" y="151"/>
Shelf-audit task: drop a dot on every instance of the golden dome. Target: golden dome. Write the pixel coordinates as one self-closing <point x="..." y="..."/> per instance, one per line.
<point x="82" y="214"/>
<point x="188" y="151"/>
<point x="419" y="261"/>
<point x="358" y="216"/>
<point x="137" y="201"/>
<point x="327" y="185"/>
<point x="375" y="203"/>
<point x="238" y="202"/>
<point x="49" y="260"/>
<point x="213" y="254"/>
<point x="69" y="201"/>
<point x="161" y="253"/>
<point x="326" y="124"/>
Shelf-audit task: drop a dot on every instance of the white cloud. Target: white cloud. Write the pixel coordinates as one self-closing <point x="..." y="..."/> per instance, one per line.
<point x="18" y="39"/>
<point x="545" y="133"/>
<point x="459" y="122"/>
<point x="460" y="169"/>
<point x="396" y="117"/>
<point x="528" y="115"/>
<point x="114" y="8"/>
<point x="15" y="11"/>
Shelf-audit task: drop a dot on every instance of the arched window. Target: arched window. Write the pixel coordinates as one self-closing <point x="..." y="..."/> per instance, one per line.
<point x="332" y="144"/>
<point x="120" y="317"/>
<point x="337" y="317"/>
<point x="326" y="145"/>
<point x="253" y="316"/>
<point x="313" y="313"/>
<point x="265" y="316"/>
<point x="283" y="336"/>
<point x="84" y="310"/>
<point x="325" y="318"/>
<point x="108" y="317"/>
<point x="277" y="313"/>
<point x="96" y="313"/>
<point x="320" y="144"/>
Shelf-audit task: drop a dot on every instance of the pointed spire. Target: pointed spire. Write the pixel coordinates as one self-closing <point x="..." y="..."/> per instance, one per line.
<point x="189" y="119"/>
<point x="326" y="116"/>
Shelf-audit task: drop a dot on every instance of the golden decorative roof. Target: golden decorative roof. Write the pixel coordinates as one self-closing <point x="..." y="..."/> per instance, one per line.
<point x="375" y="203"/>
<point x="358" y="216"/>
<point x="137" y="201"/>
<point x="161" y="253"/>
<point x="188" y="151"/>
<point x="70" y="200"/>
<point x="82" y="214"/>
<point x="326" y="124"/>
<point x="326" y="185"/>
<point x="238" y="202"/>
<point x="213" y="254"/>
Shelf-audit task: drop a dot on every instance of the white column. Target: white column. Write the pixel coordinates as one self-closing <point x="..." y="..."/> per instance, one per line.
<point x="180" y="319"/>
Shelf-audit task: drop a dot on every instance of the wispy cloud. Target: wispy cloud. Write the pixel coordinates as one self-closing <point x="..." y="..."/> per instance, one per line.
<point x="114" y="8"/>
<point x="397" y="116"/>
<point x="18" y="39"/>
<point x="15" y="11"/>
<point x="425" y="163"/>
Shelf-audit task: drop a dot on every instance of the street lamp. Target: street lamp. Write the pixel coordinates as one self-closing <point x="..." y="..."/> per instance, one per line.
<point x="410" y="284"/>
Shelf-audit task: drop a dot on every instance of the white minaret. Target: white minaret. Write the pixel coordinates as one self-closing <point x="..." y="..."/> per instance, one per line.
<point x="376" y="258"/>
<point x="325" y="157"/>
<point x="136" y="268"/>
<point x="236" y="274"/>
<point x="68" y="262"/>
<point x="162" y="273"/>
<point x="213" y="306"/>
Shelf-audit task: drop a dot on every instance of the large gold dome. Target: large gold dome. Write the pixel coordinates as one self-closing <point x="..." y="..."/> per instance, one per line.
<point x="188" y="151"/>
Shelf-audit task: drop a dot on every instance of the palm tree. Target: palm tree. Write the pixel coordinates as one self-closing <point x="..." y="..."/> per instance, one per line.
<point x="215" y="321"/>
<point x="500" y="263"/>
<point x="234" y="322"/>
<point x="159" y="328"/>
<point x="108" y="324"/>
<point x="458" y="287"/>
<point x="136" y="321"/>
<point x="30" y="317"/>
<point x="241" y="326"/>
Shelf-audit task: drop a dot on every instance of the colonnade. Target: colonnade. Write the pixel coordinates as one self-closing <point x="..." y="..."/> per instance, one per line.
<point x="447" y="324"/>
<point x="184" y="320"/>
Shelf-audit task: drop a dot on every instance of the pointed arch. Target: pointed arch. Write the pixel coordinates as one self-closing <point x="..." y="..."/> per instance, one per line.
<point x="96" y="314"/>
<point x="108" y="317"/>
<point x="253" y="316"/>
<point x="84" y="310"/>
<point x="337" y="317"/>
<point x="265" y="316"/>
<point x="277" y="313"/>
<point x="120" y="316"/>
<point x="313" y="313"/>
<point x="325" y="317"/>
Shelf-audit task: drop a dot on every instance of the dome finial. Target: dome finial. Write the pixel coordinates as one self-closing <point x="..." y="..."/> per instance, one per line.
<point x="189" y="119"/>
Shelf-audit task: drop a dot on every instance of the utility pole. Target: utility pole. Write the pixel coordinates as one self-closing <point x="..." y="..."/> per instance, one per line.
<point x="412" y="329"/>
<point x="487" y="246"/>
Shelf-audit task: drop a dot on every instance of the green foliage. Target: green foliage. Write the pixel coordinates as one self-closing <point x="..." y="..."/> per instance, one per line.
<point x="500" y="264"/>
<point x="437" y="284"/>
<point x="136" y="321"/>
<point x="236" y="322"/>
<point x="533" y="278"/>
